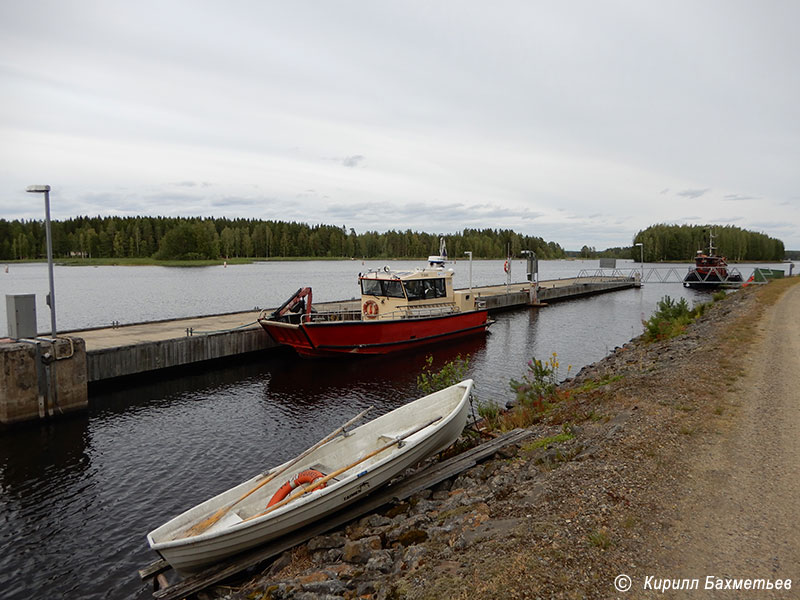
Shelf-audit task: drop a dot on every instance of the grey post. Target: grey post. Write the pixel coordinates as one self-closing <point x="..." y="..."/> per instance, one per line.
<point x="45" y="189"/>
<point x="641" y="255"/>
<point x="469" y="253"/>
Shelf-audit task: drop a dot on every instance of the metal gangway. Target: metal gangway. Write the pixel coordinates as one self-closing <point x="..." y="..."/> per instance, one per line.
<point x="733" y="278"/>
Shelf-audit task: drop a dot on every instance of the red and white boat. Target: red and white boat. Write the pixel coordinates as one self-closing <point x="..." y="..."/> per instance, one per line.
<point x="710" y="270"/>
<point x="399" y="310"/>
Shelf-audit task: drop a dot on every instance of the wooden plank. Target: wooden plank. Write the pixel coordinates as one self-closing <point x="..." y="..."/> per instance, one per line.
<point x="154" y="569"/>
<point x="405" y="488"/>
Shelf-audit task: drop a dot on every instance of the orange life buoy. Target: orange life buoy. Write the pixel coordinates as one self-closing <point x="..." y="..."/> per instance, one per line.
<point x="301" y="478"/>
<point x="370" y="309"/>
<point x="505" y="266"/>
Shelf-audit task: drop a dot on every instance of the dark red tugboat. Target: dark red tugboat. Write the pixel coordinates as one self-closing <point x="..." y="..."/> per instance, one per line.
<point x="399" y="310"/>
<point x="710" y="270"/>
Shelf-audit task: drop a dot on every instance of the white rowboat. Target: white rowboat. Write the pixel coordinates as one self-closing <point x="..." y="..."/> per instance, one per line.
<point x="426" y="426"/>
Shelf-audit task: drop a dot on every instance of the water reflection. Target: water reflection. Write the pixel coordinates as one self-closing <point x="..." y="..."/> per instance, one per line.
<point x="28" y="455"/>
<point x="32" y="459"/>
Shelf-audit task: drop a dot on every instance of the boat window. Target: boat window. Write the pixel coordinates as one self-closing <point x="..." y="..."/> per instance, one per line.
<point x="371" y="287"/>
<point x="425" y="289"/>
<point x="382" y="287"/>
<point x="393" y="289"/>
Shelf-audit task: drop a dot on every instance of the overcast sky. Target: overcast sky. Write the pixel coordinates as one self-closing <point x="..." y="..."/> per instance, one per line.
<point x="579" y="122"/>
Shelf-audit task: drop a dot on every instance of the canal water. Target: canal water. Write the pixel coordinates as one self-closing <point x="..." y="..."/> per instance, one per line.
<point x="78" y="496"/>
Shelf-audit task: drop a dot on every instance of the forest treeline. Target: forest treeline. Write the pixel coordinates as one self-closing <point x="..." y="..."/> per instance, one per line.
<point x="169" y="238"/>
<point x="681" y="242"/>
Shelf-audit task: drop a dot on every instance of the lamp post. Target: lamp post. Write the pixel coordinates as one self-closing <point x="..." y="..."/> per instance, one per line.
<point x="641" y="255"/>
<point x="51" y="297"/>
<point x="469" y="253"/>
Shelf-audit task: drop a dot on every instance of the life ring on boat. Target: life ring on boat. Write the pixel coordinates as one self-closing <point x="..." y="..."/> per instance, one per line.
<point x="371" y="309"/>
<point x="303" y="477"/>
<point x="505" y="266"/>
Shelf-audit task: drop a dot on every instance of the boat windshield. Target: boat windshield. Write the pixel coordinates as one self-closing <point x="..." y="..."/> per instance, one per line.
<point x="391" y="288"/>
<point x="425" y="289"/>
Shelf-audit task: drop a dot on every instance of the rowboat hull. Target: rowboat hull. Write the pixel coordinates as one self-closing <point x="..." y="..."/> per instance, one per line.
<point x="242" y="528"/>
<point x="318" y="339"/>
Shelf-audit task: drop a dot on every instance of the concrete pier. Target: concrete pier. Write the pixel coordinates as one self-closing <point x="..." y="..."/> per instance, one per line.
<point x="38" y="379"/>
<point x="144" y="347"/>
<point x="500" y="297"/>
<point x="135" y="349"/>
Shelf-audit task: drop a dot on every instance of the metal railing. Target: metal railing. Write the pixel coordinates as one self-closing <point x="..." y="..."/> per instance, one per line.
<point x="731" y="276"/>
<point x="402" y="312"/>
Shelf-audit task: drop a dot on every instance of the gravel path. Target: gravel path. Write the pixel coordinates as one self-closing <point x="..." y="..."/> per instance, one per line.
<point x="739" y="516"/>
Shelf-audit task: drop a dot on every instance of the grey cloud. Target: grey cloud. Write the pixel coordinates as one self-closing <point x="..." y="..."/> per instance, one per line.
<point x="236" y="201"/>
<point x="738" y="197"/>
<point x="428" y="216"/>
<point x="352" y="161"/>
<point x="767" y="225"/>
<point x="693" y="193"/>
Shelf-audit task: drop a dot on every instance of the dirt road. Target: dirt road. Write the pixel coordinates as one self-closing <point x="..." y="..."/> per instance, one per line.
<point x="740" y="516"/>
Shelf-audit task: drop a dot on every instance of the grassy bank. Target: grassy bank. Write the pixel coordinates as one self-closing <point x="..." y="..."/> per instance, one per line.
<point x="152" y="262"/>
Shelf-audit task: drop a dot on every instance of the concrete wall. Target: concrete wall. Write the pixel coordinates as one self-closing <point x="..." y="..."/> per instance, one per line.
<point x="510" y="300"/>
<point x="42" y="379"/>
<point x="569" y="292"/>
<point x="499" y="300"/>
<point x="150" y="356"/>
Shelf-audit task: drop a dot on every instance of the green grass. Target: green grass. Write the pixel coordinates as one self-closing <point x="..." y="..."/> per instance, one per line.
<point x="145" y="262"/>
<point x="148" y="261"/>
<point x="592" y="384"/>
<point x="544" y="442"/>
<point x="600" y="538"/>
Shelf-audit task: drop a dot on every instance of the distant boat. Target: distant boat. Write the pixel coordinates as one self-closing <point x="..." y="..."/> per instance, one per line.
<point x="360" y="461"/>
<point x="710" y="270"/>
<point x="399" y="310"/>
<point x="438" y="260"/>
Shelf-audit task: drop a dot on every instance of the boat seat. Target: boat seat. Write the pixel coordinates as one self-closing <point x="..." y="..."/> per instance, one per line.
<point x="391" y="436"/>
<point x="324" y="469"/>
<point x="231" y="518"/>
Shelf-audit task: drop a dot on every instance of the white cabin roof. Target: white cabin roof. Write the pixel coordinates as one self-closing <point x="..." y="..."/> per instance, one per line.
<point x="387" y="273"/>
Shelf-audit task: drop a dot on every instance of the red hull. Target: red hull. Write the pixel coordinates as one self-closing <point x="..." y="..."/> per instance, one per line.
<point x="375" y="337"/>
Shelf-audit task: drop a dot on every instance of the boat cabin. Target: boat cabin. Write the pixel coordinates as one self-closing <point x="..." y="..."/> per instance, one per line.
<point x="710" y="264"/>
<point x="387" y="294"/>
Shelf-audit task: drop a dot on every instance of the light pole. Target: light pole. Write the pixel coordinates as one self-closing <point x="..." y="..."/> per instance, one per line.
<point x="641" y="255"/>
<point x="51" y="297"/>
<point x="469" y="253"/>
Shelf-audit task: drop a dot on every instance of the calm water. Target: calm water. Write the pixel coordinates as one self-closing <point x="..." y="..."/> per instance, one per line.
<point x="78" y="496"/>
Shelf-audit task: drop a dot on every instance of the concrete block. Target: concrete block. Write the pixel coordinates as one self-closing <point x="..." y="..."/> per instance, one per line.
<point x="21" y="315"/>
<point x="41" y="379"/>
<point x="19" y="388"/>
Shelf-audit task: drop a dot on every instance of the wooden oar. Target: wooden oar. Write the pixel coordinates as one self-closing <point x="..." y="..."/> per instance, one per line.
<point x="200" y="527"/>
<point x="315" y="484"/>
